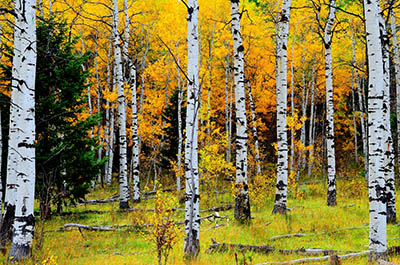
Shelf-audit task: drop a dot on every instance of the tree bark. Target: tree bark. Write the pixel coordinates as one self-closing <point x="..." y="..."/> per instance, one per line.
<point x="397" y="76"/>
<point x="242" y="202"/>
<point x="281" y="100"/>
<point x="192" y="216"/>
<point x="376" y="133"/>
<point x="330" y="137"/>
<point x="123" y="167"/>
<point x="180" y="138"/>
<point x="254" y="129"/>
<point x="388" y="141"/>
<point x="21" y="152"/>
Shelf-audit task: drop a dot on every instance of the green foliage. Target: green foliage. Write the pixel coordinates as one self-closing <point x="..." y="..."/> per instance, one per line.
<point x="171" y="132"/>
<point x="65" y="154"/>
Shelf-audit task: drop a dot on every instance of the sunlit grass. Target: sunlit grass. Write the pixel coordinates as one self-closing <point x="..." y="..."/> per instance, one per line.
<point x="309" y="215"/>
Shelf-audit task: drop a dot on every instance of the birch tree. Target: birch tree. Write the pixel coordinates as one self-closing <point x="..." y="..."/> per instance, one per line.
<point x="123" y="167"/>
<point x="330" y="137"/>
<point x="376" y="130"/>
<point x="281" y="106"/>
<point x="242" y="202"/>
<point x="397" y="76"/>
<point x="21" y="151"/>
<point x="192" y="213"/>
<point x="130" y="74"/>
<point x="388" y="142"/>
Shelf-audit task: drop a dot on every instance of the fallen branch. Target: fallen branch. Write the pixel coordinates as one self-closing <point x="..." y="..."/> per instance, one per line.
<point x="223" y="247"/>
<point x="99" y="201"/>
<point x="321" y="233"/>
<point x="318" y="259"/>
<point x="119" y="227"/>
<point x="384" y="262"/>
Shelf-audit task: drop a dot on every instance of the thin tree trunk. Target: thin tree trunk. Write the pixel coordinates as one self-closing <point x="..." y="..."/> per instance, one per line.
<point x="353" y="104"/>
<point x="292" y="129"/>
<point x="21" y="160"/>
<point x="108" y="132"/>
<point x="131" y="80"/>
<point x="180" y="140"/>
<point x="142" y="83"/>
<point x="281" y="106"/>
<point x="123" y="167"/>
<point x="242" y="202"/>
<point x="376" y="133"/>
<point x="397" y="76"/>
<point x="226" y="68"/>
<point x="254" y="129"/>
<point x="192" y="216"/>
<point x="210" y="46"/>
<point x="388" y="141"/>
<point x="312" y="121"/>
<point x="330" y="137"/>
<point x="99" y="153"/>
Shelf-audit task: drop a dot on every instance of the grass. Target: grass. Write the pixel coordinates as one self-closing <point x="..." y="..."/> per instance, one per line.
<point x="309" y="215"/>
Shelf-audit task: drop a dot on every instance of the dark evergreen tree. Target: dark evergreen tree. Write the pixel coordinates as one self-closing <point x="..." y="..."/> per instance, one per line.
<point x="171" y="138"/>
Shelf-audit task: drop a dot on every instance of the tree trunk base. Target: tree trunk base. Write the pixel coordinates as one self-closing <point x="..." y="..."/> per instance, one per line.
<point x="279" y="208"/>
<point x="242" y="208"/>
<point x="19" y="252"/>
<point x="374" y="256"/>
<point x="123" y="205"/>
<point x="332" y="198"/>
<point x="6" y="225"/>
<point x="192" y="250"/>
<point x="391" y="216"/>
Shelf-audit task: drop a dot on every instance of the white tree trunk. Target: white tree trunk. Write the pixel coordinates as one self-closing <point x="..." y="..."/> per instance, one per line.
<point x="99" y="151"/>
<point x="131" y="80"/>
<point x="330" y="137"/>
<point x="397" y="76"/>
<point x="21" y="151"/>
<point x="180" y="140"/>
<point x="312" y="121"/>
<point x="388" y="141"/>
<point x="376" y="133"/>
<point x="135" y="138"/>
<point x="281" y="106"/>
<point x="108" y="132"/>
<point x="353" y="105"/>
<point x="192" y="214"/>
<point x="123" y="167"/>
<point x="242" y="202"/>
<point x="254" y="129"/>
<point x="292" y="130"/>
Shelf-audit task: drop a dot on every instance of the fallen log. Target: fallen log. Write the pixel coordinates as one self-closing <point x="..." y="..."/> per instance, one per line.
<point x="99" y="201"/>
<point x="318" y="259"/>
<point x="321" y="233"/>
<point x="119" y="227"/>
<point x="223" y="247"/>
<point x="384" y="262"/>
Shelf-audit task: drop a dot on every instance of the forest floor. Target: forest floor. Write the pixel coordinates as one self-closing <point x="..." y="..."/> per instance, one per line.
<point x="343" y="228"/>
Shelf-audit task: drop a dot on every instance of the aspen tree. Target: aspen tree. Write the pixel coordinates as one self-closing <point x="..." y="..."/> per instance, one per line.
<point x="376" y="133"/>
<point x="254" y="128"/>
<point x="131" y="81"/>
<point x="123" y="167"/>
<point x="21" y="151"/>
<point x="281" y="102"/>
<point x="330" y="131"/>
<point x="388" y="141"/>
<point x="397" y="76"/>
<point x="192" y="213"/>
<point x="242" y="202"/>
